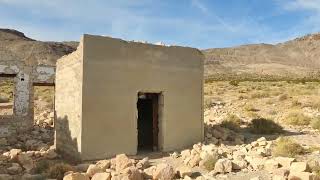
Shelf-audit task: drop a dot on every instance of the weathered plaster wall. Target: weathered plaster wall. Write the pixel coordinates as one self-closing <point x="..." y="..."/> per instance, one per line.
<point x="114" y="71"/>
<point x="68" y="105"/>
<point x="24" y="77"/>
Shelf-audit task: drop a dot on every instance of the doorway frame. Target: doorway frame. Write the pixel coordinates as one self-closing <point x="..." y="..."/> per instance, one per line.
<point x="157" y="118"/>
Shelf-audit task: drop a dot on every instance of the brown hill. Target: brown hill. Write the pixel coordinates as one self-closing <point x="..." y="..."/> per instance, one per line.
<point x="299" y="58"/>
<point x="15" y="46"/>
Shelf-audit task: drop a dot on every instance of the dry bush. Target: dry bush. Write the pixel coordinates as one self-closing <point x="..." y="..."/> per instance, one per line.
<point x="4" y="99"/>
<point x="210" y="162"/>
<point x="41" y="167"/>
<point x="287" y="148"/>
<point x="260" y="95"/>
<point x="232" y="122"/>
<point x="297" y="119"/>
<point x="234" y="83"/>
<point x="264" y="126"/>
<point x="296" y="103"/>
<point x="250" y="107"/>
<point x="315" y="123"/>
<point x="283" y="97"/>
<point x="57" y="171"/>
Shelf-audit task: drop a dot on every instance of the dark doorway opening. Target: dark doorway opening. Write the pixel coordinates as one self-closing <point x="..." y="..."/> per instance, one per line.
<point x="148" y="121"/>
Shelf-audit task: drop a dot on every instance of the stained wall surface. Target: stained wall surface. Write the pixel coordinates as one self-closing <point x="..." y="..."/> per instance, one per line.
<point x="68" y="97"/>
<point x="114" y="71"/>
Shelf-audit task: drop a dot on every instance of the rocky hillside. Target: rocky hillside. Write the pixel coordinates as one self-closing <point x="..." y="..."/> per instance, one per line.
<point x="15" y="46"/>
<point x="299" y="57"/>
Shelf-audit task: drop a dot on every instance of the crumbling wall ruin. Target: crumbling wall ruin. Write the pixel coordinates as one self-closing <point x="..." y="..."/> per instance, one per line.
<point x="25" y="76"/>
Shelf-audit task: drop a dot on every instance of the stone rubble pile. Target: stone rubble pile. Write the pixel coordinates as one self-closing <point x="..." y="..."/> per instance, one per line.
<point x="255" y="156"/>
<point x="45" y="117"/>
<point x="123" y="168"/>
<point x="215" y="134"/>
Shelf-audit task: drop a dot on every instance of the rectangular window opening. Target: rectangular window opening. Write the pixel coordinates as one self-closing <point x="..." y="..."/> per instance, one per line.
<point x="43" y="104"/>
<point x="6" y="97"/>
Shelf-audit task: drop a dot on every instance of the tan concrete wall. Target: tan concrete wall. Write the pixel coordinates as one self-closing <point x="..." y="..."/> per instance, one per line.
<point x="68" y="97"/>
<point x="114" y="71"/>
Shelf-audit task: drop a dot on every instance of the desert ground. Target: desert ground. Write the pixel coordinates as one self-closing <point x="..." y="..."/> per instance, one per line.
<point x="253" y="130"/>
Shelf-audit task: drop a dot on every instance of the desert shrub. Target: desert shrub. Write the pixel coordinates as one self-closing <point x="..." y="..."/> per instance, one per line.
<point x="316" y="170"/>
<point x="272" y="112"/>
<point x="210" y="162"/>
<point x="250" y="107"/>
<point x="270" y="101"/>
<point x="283" y="97"/>
<point x="264" y="126"/>
<point x="232" y="122"/>
<point x="4" y="99"/>
<point x="208" y="103"/>
<point x="287" y="148"/>
<point x="57" y="171"/>
<point x="315" y="123"/>
<point x="315" y="104"/>
<point x="296" y="103"/>
<point x="41" y="167"/>
<point x="297" y="119"/>
<point x="234" y="83"/>
<point x="259" y="95"/>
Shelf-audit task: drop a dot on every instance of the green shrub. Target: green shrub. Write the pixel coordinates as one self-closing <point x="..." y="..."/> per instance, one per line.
<point x="315" y="123"/>
<point x="264" y="126"/>
<point x="57" y="171"/>
<point x="297" y="119"/>
<point x="232" y="122"/>
<point x="287" y="148"/>
<point x="210" y="162"/>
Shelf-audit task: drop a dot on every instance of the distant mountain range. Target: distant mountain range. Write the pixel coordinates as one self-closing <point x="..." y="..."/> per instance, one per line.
<point x="296" y="58"/>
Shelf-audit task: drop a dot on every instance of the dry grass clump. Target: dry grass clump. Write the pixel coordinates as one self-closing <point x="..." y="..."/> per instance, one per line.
<point x="264" y="126"/>
<point x="260" y="95"/>
<point x="232" y="122"/>
<point x="250" y="108"/>
<point x="287" y="148"/>
<point x="234" y="83"/>
<point x="296" y="103"/>
<point x="283" y="97"/>
<point x="57" y="171"/>
<point x="297" y="119"/>
<point x="41" y="166"/>
<point x="4" y="99"/>
<point x="210" y="162"/>
<point x="315" y="123"/>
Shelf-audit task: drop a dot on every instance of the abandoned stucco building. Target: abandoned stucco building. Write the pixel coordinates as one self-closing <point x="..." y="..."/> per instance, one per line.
<point x="24" y="76"/>
<point x="114" y="96"/>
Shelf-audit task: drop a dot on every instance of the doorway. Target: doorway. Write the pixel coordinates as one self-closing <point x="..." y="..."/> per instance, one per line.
<point x="148" y="130"/>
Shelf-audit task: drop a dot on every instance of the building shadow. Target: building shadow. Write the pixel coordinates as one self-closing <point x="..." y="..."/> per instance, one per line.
<point x="65" y="144"/>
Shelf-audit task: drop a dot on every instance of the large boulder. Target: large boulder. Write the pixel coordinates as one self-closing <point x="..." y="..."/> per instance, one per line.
<point x="223" y="166"/>
<point x="76" y="176"/>
<point x="26" y="162"/>
<point x="104" y="164"/>
<point x="93" y="169"/>
<point x="302" y="176"/>
<point x="122" y="162"/>
<point x="101" y="176"/>
<point x="285" y="162"/>
<point x="163" y="172"/>
<point x="299" y="167"/>
<point x="184" y="171"/>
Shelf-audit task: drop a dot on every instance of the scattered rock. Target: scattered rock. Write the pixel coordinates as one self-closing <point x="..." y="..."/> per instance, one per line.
<point x="223" y="166"/>
<point x="122" y="162"/>
<point x="93" y="169"/>
<point x="76" y="176"/>
<point x="101" y="176"/>
<point x="163" y="172"/>
<point x="299" y="167"/>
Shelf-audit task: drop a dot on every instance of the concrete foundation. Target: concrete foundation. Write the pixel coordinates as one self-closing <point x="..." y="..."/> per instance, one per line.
<point x="97" y="90"/>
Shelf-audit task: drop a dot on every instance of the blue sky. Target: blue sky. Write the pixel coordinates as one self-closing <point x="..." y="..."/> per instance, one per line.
<point x="196" y="23"/>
